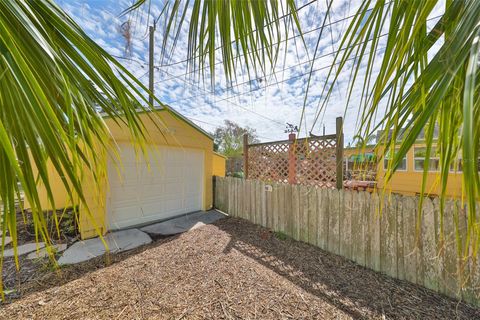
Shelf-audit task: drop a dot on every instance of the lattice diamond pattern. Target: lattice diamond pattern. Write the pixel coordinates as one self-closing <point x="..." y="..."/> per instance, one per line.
<point x="315" y="161"/>
<point x="268" y="162"/>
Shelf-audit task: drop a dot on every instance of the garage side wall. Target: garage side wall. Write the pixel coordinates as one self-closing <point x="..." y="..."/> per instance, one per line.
<point x="91" y="221"/>
<point x="219" y="165"/>
<point x="60" y="194"/>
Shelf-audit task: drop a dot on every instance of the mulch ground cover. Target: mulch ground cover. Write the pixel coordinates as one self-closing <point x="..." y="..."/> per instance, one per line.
<point x="229" y="270"/>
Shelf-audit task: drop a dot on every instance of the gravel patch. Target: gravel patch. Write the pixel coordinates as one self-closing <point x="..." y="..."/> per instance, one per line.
<point x="229" y="270"/>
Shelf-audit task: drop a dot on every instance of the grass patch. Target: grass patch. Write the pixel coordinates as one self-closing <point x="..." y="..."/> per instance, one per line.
<point x="280" y="235"/>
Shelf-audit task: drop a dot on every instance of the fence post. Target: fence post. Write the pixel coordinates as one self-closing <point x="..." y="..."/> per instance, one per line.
<point x="292" y="165"/>
<point x="339" y="152"/>
<point x="245" y="156"/>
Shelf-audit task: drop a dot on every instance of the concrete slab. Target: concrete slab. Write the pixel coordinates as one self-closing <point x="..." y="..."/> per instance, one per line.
<point x="184" y="223"/>
<point x="117" y="242"/>
<point x="24" y="249"/>
<point x="42" y="253"/>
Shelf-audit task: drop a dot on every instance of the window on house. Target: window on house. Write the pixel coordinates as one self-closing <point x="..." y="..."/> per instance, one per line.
<point x="420" y="158"/>
<point x="401" y="167"/>
<point x="457" y="166"/>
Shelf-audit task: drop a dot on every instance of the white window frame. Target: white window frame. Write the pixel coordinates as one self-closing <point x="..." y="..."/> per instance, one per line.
<point x="450" y="170"/>
<point x="398" y="170"/>
<point x="461" y="171"/>
<point x="423" y="158"/>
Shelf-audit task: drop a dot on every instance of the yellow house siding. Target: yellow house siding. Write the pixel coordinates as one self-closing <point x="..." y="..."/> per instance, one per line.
<point x="409" y="182"/>
<point x="162" y="128"/>
<point x="219" y="165"/>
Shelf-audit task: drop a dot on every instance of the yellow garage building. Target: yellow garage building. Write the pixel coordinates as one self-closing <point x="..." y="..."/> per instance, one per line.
<point x="174" y="178"/>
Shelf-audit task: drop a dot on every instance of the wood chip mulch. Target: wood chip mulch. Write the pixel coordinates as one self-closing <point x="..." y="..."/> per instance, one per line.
<point x="229" y="270"/>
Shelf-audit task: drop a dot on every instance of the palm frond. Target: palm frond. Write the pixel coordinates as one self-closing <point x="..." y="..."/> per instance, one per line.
<point x="421" y="93"/>
<point x="54" y="80"/>
<point x="238" y="31"/>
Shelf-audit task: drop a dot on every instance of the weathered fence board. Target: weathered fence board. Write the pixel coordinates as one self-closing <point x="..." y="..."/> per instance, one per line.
<point x="378" y="232"/>
<point x="333" y="227"/>
<point x="311" y="229"/>
<point x="322" y="219"/>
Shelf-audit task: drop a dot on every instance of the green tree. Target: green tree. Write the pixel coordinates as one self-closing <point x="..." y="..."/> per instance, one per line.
<point x="229" y="138"/>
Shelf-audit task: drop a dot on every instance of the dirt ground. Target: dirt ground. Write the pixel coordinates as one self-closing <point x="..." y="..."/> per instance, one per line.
<point x="229" y="270"/>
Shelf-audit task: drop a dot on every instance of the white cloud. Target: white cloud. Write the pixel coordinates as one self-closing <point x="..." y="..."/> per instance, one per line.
<point x="265" y="104"/>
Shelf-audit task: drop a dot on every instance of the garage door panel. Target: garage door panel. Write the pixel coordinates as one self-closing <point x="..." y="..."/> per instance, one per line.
<point x="127" y="174"/>
<point x="152" y="192"/>
<point x="126" y="213"/>
<point x="173" y="185"/>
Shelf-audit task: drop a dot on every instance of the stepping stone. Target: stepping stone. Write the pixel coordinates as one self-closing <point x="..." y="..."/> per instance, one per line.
<point x="8" y="240"/>
<point x="183" y="223"/>
<point x="24" y="249"/>
<point x="117" y="242"/>
<point x="42" y="253"/>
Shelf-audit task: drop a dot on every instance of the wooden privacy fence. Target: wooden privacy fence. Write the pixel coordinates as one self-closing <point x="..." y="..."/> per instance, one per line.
<point x="351" y="224"/>
<point x="316" y="160"/>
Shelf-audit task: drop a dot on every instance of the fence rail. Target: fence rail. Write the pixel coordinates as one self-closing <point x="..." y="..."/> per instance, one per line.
<point x="377" y="232"/>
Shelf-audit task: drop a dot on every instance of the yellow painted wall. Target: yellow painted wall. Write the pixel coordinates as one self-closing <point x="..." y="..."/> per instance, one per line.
<point x="60" y="195"/>
<point x="409" y="182"/>
<point x="163" y="128"/>
<point x="219" y="165"/>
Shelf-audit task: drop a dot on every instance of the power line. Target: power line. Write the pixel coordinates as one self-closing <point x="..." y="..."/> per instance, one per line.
<point x="279" y="71"/>
<point x="233" y="41"/>
<point x="218" y="125"/>
<point x="239" y="55"/>
<point x="276" y="83"/>
<point x="235" y="104"/>
<point x="268" y="85"/>
<point x="294" y="77"/>
<point x="253" y="51"/>
<point x="242" y="54"/>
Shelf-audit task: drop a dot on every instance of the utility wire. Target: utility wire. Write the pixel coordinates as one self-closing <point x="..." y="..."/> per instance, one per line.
<point x="275" y="83"/>
<point x="234" y="103"/>
<point x="263" y="87"/>
<point x="281" y="70"/>
<point x="218" y="125"/>
<point x="242" y="54"/>
<point x="236" y="57"/>
<point x="233" y="41"/>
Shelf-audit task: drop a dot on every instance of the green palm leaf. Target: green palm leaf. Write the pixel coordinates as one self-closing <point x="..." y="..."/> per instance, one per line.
<point x="421" y="93"/>
<point x="247" y="32"/>
<point x="53" y="81"/>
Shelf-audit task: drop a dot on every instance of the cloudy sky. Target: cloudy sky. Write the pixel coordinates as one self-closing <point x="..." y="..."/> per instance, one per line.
<point x="265" y="103"/>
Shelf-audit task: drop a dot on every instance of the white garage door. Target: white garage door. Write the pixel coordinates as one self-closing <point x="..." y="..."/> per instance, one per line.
<point x="173" y="185"/>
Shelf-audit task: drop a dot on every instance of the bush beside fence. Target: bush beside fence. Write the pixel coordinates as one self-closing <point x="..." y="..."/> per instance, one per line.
<point x="375" y="231"/>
